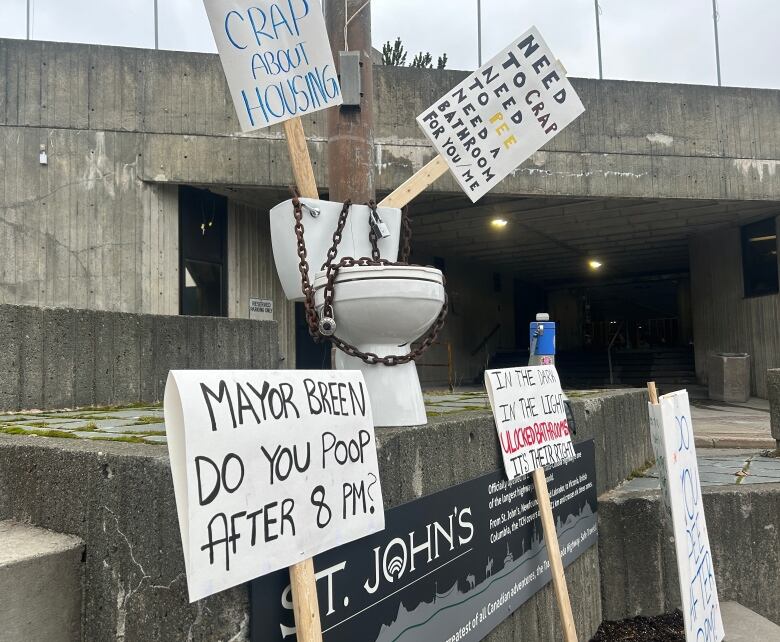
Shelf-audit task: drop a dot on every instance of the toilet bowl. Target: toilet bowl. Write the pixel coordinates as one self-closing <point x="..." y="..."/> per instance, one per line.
<point x="379" y="309"/>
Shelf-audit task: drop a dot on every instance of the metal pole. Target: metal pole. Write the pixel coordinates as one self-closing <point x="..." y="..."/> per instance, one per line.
<point x="717" y="41"/>
<point x="598" y="39"/>
<point x="479" y="32"/>
<point x="156" y="27"/>
<point x="28" y="19"/>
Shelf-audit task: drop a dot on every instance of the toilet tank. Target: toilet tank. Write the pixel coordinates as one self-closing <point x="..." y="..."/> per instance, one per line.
<point x="318" y="234"/>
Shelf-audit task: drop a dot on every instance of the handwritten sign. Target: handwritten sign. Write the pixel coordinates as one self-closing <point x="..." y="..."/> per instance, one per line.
<point x="269" y="468"/>
<point x="530" y="417"/>
<point x="671" y="429"/>
<point x="501" y="114"/>
<point x="276" y="57"/>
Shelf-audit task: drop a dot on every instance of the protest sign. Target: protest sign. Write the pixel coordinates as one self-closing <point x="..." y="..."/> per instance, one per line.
<point x="449" y="566"/>
<point x="269" y="469"/>
<point x="671" y="429"/>
<point x="530" y="417"/>
<point x="277" y="58"/>
<point x="501" y="114"/>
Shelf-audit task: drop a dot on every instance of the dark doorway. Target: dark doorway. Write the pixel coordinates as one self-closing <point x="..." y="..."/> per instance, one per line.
<point x="203" y="253"/>
<point x="530" y="300"/>
<point x="308" y="355"/>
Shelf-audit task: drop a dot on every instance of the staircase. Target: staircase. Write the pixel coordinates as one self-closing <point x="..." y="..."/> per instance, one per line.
<point x="633" y="368"/>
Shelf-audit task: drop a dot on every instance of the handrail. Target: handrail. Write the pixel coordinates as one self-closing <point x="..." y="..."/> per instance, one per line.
<point x="609" y="352"/>
<point x="487" y="338"/>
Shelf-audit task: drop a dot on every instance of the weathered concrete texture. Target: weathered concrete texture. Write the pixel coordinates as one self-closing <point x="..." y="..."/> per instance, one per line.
<point x="743" y="625"/>
<point x="40" y="584"/>
<point x="773" y="392"/>
<point x="638" y="567"/>
<point x="728" y="376"/>
<point x="119" y="499"/>
<point x="723" y="319"/>
<point x="62" y="358"/>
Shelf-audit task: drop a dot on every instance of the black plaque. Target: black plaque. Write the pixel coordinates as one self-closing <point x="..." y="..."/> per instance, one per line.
<point x="448" y="567"/>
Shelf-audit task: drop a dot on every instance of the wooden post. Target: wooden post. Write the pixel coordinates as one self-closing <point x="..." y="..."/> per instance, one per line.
<point x="554" y="554"/>
<point x="302" y="581"/>
<point x="417" y="184"/>
<point x="653" y="392"/>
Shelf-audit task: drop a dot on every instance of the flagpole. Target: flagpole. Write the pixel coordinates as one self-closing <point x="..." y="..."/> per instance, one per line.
<point x="715" y="18"/>
<point x="156" y="27"/>
<point x="28" y="19"/>
<point x="479" y="32"/>
<point x="598" y="39"/>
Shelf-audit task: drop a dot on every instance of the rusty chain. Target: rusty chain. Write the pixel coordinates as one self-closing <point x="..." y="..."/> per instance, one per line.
<point x="315" y="322"/>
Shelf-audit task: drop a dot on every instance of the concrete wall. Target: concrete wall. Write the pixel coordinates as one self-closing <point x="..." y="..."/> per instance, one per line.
<point x="119" y="499"/>
<point x="638" y="565"/>
<point x="62" y="358"/>
<point x="725" y="321"/>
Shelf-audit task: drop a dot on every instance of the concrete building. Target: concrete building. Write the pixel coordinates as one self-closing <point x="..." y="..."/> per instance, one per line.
<point x="125" y="187"/>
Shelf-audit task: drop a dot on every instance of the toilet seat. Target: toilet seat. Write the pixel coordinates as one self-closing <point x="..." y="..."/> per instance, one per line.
<point x="371" y="272"/>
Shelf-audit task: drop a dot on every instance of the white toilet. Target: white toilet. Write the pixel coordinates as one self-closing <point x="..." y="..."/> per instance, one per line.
<point x="378" y="309"/>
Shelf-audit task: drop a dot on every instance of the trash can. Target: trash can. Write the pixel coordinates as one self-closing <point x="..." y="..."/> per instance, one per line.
<point x="729" y="376"/>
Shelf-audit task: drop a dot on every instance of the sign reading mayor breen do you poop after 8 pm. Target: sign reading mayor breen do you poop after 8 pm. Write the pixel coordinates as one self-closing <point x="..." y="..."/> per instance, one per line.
<point x="530" y="417"/>
<point x="277" y="58"/>
<point x="269" y="469"/>
<point x="501" y="114"/>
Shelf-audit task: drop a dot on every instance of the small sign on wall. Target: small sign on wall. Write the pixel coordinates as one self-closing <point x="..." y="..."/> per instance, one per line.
<point x="261" y="309"/>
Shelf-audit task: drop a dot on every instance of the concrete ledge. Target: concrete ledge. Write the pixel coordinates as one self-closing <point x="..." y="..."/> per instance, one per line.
<point x="40" y="584"/>
<point x="743" y="625"/>
<point x="638" y="567"/>
<point x="56" y="358"/>
<point x="747" y="443"/>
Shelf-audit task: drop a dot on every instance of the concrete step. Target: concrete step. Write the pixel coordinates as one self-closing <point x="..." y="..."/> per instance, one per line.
<point x="40" y="584"/>
<point x="743" y="625"/>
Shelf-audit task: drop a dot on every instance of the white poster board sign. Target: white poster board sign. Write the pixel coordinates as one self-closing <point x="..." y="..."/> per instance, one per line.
<point x="277" y="58"/>
<point x="269" y="469"/>
<point x="671" y="429"/>
<point x="261" y="309"/>
<point x="530" y="417"/>
<point x="501" y="114"/>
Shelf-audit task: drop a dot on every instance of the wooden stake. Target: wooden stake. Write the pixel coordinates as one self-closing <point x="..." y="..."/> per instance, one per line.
<point x="651" y="389"/>
<point x="554" y="554"/>
<point x="417" y="184"/>
<point x="302" y="581"/>
<point x="299" y="156"/>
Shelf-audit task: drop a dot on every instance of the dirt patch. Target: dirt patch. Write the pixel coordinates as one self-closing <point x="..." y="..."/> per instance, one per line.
<point x="662" y="628"/>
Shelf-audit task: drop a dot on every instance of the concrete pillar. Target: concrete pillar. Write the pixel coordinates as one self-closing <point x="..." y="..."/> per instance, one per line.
<point x="40" y="584"/>
<point x="773" y="390"/>
<point x="350" y="129"/>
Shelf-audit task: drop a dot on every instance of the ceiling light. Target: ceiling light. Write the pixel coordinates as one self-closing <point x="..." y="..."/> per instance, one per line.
<point x="758" y="239"/>
<point x="499" y="222"/>
<point x="594" y="265"/>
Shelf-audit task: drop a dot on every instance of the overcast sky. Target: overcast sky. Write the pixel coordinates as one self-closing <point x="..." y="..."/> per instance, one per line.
<point x="655" y="40"/>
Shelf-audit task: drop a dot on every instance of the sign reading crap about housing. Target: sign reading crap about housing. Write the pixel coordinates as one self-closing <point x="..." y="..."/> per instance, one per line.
<point x="269" y="468"/>
<point x="501" y="114"/>
<point x="276" y="57"/>
<point x="530" y="418"/>
<point x="671" y="430"/>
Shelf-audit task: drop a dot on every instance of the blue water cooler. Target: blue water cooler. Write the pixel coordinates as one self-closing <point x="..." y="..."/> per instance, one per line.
<point x="542" y="341"/>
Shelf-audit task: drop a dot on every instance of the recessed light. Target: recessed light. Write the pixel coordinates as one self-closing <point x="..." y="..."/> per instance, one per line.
<point x="595" y="265"/>
<point x="499" y="222"/>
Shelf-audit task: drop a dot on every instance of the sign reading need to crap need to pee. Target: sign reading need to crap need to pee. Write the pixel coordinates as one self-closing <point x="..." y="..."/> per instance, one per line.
<point x="276" y="56"/>
<point x="671" y="431"/>
<point x="530" y="417"/>
<point x="269" y="469"/>
<point x="501" y="114"/>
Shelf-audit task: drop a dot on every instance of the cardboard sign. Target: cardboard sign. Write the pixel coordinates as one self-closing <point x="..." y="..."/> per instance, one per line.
<point x="530" y="417"/>
<point x="449" y="566"/>
<point x="671" y="430"/>
<point x="261" y="309"/>
<point x="501" y="114"/>
<point x="269" y="469"/>
<point x="276" y="56"/>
